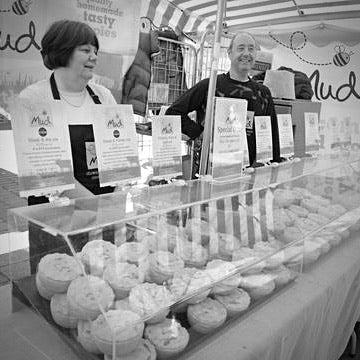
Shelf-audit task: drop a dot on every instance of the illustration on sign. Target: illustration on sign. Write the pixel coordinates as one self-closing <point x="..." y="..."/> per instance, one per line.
<point x="19" y="7"/>
<point x="340" y="58"/>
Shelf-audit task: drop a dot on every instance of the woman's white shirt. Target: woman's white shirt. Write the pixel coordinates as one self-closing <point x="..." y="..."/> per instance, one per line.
<point x="41" y="92"/>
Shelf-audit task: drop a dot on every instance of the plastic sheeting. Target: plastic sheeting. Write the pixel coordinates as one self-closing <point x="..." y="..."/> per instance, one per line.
<point x="312" y="319"/>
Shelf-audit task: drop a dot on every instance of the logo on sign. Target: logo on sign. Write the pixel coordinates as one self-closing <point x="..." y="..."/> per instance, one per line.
<point x="116" y="133"/>
<point x="263" y="125"/>
<point x="42" y="132"/>
<point x="167" y="129"/>
<point x="115" y="123"/>
<point x="249" y="120"/>
<point x="232" y="117"/>
<point x="19" y="7"/>
<point x="41" y="120"/>
<point x="91" y="157"/>
<point x="341" y="58"/>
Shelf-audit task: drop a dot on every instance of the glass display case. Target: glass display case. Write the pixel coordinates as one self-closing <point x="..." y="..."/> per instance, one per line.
<point x="152" y="273"/>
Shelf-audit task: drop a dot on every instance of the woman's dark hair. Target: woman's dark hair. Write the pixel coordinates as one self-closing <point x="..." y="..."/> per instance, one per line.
<point x="60" y="40"/>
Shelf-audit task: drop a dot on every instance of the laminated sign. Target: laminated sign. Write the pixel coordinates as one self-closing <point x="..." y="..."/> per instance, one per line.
<point x="116" y="144"/>
<point x="263" y="138"/>
<point x="166" y="145"/>
<point x="42" y="148"/>
<point x="229" y="140"/>
<point x="312" y="136"/>
<point x="286" y="137"/>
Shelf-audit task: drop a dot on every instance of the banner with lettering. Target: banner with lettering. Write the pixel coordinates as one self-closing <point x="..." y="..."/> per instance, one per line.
<point x="334" y="74"/>
<point x="24" y="22"/>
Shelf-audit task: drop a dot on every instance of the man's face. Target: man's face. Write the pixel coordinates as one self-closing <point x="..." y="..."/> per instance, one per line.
<point x="243" y="52"/>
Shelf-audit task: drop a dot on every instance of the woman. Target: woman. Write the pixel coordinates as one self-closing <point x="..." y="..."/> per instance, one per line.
<point x="69" y="49"/>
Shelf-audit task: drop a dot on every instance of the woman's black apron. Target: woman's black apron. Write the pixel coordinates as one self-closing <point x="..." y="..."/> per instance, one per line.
<point x="81" y="138"/>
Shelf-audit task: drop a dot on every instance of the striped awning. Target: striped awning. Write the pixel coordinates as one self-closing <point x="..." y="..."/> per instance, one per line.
<point x="164" y="13"/>
<point x="189" y="16"/>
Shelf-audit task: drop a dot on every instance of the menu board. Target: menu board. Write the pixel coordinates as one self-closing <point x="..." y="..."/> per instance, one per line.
<point x="312" y="136"/>
<point x="286" y="137"/>
<point x="229" y="138"/>
<point x="166" y="145"/>
<point x="116" y="144"/>
<point x="263" y="138"/>
<point x="42" y="147"/>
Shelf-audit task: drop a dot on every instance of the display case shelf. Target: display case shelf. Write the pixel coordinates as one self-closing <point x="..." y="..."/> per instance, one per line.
<point x="162" y="269"/>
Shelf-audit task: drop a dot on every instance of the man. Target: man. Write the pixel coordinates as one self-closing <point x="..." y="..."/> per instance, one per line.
<point x="234" y="84"/>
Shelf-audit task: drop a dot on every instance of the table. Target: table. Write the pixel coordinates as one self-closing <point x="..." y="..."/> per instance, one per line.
<point x="312" y="318"/>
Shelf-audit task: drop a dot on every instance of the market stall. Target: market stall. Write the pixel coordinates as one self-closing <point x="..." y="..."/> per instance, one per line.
<point x="243" y="262"/>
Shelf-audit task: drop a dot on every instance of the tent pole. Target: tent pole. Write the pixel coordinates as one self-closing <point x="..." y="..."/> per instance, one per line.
<point x="208" y="127"/>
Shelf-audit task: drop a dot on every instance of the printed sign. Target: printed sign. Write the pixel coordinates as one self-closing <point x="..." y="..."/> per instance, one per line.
<point x="280" y="83"/>
<point x="249" y="120"/>
<point x="166" y="145"/>
<point x="116" y="144"/>
<point x="345" y="131"/>
<point x="355" y="134"/>
<point x="42" y="148"/>
<point x="332" y="138"/>
<point x="263" y="62"/>
<point x="312" y="137"/>
<point x="286" y="137"/>
<point x="91" y="158"/>
<point x="263" y="138"/>
<point x="229" y="142"/>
